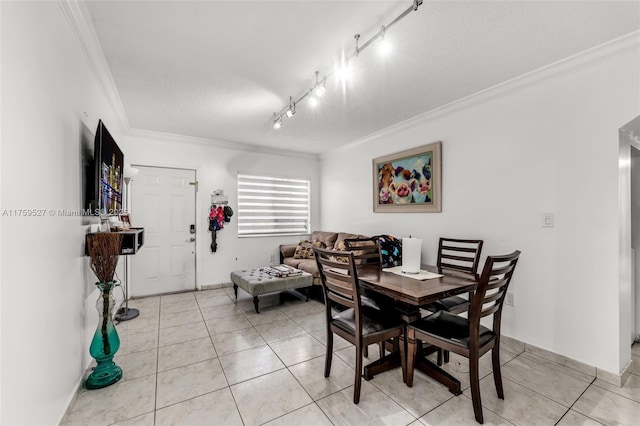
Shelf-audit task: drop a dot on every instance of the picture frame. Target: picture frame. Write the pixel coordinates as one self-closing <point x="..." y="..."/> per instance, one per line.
<point x="125" y="219"/>
<point x="409" y="181"/>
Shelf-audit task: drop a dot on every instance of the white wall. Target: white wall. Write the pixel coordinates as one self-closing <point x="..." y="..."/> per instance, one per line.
<point x="635" y="235"/>
<point x="217" y="168"/>
<point x="49" y="98"/>
<point x="508" y="156"/>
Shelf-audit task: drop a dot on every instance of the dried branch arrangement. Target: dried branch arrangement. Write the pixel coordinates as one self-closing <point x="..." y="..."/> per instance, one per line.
<point x="104" y="251"/>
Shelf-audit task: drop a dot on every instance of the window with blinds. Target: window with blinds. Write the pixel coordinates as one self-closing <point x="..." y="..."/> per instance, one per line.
<point x="273" y="206"/>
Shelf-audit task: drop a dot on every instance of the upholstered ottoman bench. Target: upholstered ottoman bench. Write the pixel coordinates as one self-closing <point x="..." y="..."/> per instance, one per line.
<point x="257" y="282"/>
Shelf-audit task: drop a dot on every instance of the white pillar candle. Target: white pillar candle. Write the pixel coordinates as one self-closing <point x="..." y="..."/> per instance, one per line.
<point x="411" y="252"/>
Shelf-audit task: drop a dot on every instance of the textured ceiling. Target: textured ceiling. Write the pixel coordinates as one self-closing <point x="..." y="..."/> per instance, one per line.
<point x="218" y="70"/>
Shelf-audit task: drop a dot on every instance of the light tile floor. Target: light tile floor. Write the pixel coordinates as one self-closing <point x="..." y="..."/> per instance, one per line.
<point x="199" y="358"/>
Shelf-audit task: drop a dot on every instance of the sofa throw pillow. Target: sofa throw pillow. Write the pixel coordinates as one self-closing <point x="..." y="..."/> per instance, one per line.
<point x="305" y="249"/>
<point x="341" y="247"/>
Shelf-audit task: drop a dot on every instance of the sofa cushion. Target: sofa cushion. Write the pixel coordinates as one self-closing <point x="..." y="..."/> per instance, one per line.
<point x="292" y="262"/>
<point x="343" y="236"/>
<point x="328" y="238"/>
<point x="310" y="266"/>
<point x="287" y="250"/>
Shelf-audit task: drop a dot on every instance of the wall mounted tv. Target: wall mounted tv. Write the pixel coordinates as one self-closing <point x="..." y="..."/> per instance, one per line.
<point x="109" y="167"/>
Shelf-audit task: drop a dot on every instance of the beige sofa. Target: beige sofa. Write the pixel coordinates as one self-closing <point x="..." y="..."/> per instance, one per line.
<point x="332" y="240"/>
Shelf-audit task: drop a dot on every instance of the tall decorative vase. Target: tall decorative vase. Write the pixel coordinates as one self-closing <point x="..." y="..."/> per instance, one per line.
<point x="105" y="342"/>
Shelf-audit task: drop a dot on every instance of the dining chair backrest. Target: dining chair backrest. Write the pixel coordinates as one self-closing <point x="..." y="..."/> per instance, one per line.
<point x="459" y="255"/>
<point x="490" y="293"/>
<point x="339" y="277"/>
<point x="365" y="250"/>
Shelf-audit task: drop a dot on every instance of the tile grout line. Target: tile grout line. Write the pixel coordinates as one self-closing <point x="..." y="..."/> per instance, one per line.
<point x="574" y="403"/>
<point x="268" y="344"/>
<point x="155" y="399"/>
<point x="222" y="368"/>
<point x="538" y="357"/>
<point x="615" y="393"/>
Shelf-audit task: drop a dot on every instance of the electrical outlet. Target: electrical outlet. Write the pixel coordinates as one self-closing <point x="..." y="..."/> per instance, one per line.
<point x="272" y="259"/>
<point x="510" y="299"/>
<point x="548" y="220"/>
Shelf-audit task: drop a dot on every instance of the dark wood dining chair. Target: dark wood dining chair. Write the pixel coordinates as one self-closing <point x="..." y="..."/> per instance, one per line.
<point x="462" y="257"/>
<point x="358" y="324"/>
<point x="366" y="251"/>
<point x="467" y="337"/>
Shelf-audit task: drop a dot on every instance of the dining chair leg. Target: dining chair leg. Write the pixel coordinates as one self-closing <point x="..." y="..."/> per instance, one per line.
<point x="446" y="356"/>
<point x="474" y="361"/>
<point x="358" y="381"/>
<point x="365" y="351"/>
<point x="439" y="361"/>
<point x="381" y="347"/>
<point x="329" y="355"/>
<point x="497" y="375"/>
<point x="411" y="355"/>
<point x="403" y="355"/>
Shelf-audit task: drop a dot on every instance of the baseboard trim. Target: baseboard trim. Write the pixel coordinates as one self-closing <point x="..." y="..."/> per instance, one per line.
<point x="67" y="412"/>
<point x="598" y="373"/>
<point x="561" y="359"/>
<point x="615" y="379"/>
<point x="214" y="286"/>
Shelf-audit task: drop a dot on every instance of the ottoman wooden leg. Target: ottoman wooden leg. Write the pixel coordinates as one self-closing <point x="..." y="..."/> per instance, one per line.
<point x="255" y="303"/>
<point x="235" y="290"/>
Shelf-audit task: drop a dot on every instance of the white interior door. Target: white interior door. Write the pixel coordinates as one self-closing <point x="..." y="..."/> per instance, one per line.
<point x="163" y="203"/>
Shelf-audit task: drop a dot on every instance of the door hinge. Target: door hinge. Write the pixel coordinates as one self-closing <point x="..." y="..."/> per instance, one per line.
<point x="194" y="184"/>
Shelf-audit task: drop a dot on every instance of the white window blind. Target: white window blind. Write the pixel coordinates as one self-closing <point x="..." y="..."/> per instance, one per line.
<point x="273" y="206"/>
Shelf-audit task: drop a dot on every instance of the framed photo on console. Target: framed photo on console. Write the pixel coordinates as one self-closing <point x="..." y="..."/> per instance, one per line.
<point x="125" y="218"/>
<point x="409" y="181"/>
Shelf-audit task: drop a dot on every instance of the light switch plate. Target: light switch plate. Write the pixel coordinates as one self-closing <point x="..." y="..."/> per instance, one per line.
<point x="510" y="299"/>
<point x="548" y="220"/>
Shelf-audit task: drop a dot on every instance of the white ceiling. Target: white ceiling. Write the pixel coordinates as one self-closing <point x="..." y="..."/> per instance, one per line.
<point x="218" y="70"/>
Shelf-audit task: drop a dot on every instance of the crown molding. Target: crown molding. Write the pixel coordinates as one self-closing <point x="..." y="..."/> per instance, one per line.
<point x="78" y="16"/>
<point x="571" y="63"/>
<point x="237" y="146"/>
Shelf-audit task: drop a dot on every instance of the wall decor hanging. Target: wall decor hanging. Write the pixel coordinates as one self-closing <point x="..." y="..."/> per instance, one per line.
<point x="409" y="181"/>
<point x="219" y="214"/>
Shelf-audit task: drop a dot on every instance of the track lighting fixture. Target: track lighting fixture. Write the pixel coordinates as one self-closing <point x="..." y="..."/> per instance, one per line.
<point x="292" y="108"/>
<point x="319" y="88"/>
<point x="277" y="122"/>
<point x="385" y="47"/>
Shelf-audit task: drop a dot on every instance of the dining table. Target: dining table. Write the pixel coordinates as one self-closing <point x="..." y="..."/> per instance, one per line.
<point x="408" y="295"/>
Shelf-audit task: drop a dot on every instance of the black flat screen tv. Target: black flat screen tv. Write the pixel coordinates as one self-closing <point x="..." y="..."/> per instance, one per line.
<point x="109" y="167"/>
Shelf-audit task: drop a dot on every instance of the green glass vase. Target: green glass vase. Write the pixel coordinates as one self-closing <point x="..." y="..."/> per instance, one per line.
<point x="105" y="342"/>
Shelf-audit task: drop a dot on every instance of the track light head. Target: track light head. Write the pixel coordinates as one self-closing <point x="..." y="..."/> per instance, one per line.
<point x="291" y="109"/>
<point x="277" y="122"/>
<point x="319" y="88"/>
<point x="385" y="47"/>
